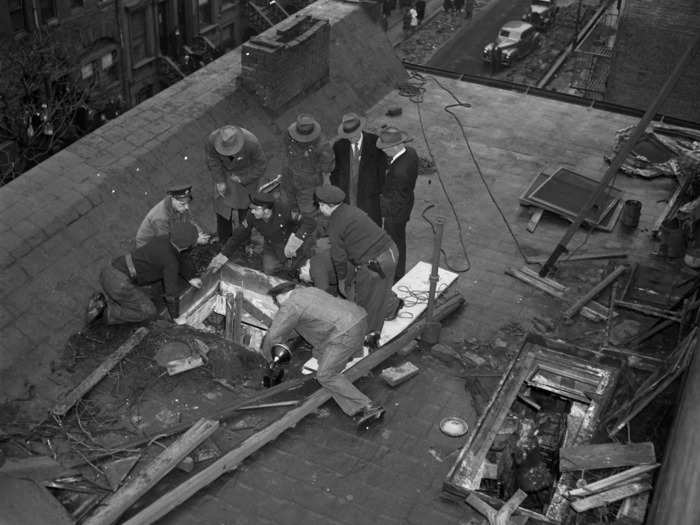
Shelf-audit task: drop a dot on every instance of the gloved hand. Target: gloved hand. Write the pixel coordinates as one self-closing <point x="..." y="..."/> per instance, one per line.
<point x="293" y="244"/>
<point x="217" y="262"/>
<point x="203" y="238"/>
<point x="196" y="282"/>
<point x="221" y="188"/>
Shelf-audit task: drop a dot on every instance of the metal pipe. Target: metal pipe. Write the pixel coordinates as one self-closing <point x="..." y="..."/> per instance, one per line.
<point x="431" y="333"/>
<point x="675" y="496"/>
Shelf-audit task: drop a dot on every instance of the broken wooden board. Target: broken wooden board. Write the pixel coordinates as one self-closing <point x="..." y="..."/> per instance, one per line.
<point x="610" y="496"/>
<point x="579" y="257"/>
<point x="606" y="455"/>
<point x="588" y="296"/>
<point x="535" y="219"/>
<point x="231" y="460"/>
<point x="37" y="468"/>
<point x="72" y="397"/>
<point x="395" y="375"/>
<point x="23" y="501"/>
<point x="119" y="502"/>
<point x="616" y="479"/>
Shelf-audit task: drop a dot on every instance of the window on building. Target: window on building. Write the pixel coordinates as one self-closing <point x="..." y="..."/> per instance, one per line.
<point x="87" y="71"/>
<point x="47" y="9"/>
<point x="17" y="15"/>
<point x="139" y="38"/>
<point x="108" y="62"/>
<point x="205" y="18"/>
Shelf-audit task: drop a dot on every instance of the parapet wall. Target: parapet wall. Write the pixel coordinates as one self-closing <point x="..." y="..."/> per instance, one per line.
<point x="65" y="219"/>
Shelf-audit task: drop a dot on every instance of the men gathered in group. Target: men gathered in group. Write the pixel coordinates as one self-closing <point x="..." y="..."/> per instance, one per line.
<point x="173" y="209"/>
<point x="359" y="166"/>
<point x="309" y="163"/>
<point x="159" y="260"/>
<point x="284" y="232"/>
<point x="335" y="329"/>
<point x="236" y="162"/>
<point x="356" y="239"/>
<point x="397" y="193"/>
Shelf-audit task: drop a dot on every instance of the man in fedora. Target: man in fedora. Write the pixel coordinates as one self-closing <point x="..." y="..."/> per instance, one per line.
<point x="397" y="193"/>
<point x="359" y="166"/>
<point x="309" y="163"/>
<point x="236" y="162"/>
<point x="174" y="208"/>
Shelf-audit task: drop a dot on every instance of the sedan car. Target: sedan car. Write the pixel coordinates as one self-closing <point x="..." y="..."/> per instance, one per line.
<point x="516" y="39"/>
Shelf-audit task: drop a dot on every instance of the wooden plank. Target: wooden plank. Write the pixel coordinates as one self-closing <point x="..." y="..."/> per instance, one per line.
<point x="606" y="455"/>
<point x="37" y="468"/>
<point x="513" y="272"/>
<point x="650" y="310"/>
<point x="501" y="516"/>
<point x="574" y="308"/>
<point x="230" y="317"/>
<point x="535" y="219"/>
<point x="119" y="502"/>
<point x="546" y="280"/>
<point x="232" y="459"/>
<point x="610" y="481"/>
<point x="256" y="312"/>
<point x="581" y="257"/>
<point x="670" y="205"/>
<point x="70" y="399"/>
<point x="610" y="496"/>
<point x="237" y="312"/>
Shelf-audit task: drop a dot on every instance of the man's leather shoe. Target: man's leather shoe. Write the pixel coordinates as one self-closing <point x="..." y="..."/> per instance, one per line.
<point x="395" y="314"/>
<point x="96" y="307"/>
<point x="371" y="340"/>
<point x="368" y="416"/>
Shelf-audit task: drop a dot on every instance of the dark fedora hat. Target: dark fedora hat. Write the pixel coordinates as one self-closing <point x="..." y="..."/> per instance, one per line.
<point x="391" y="136"/>
<point x="305" y="128"/>
<point x="351" y="125"/>
<point x="229" y="140"/>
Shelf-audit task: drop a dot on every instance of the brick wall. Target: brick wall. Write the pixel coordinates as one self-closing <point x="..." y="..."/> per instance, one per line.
<point x="286" y="65"/>
<point x="69" y="216"/>
<point x="651" y="38"/>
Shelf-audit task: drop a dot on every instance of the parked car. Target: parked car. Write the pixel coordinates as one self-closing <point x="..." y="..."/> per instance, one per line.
<point x="542" y="13"/>
<point x="515" y="40"/>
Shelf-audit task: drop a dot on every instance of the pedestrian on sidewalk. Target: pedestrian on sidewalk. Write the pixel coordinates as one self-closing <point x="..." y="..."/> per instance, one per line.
<point x="468" y="9"/>
<point x="406" y="21"/>
<point x="458" y="6"/>
<point x="420" y="8"/>
<point x="334" y="328"/>
<point x="387" y="8"/>
<point x="414" y="18"/>
<point x="448" y="6"/>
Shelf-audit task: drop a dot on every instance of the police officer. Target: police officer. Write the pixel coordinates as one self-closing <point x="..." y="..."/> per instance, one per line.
<point x="356" y="239"/>
<point x="283" y="230"/>
<point x="160" y="259"/>
<point x="174" y="208"/>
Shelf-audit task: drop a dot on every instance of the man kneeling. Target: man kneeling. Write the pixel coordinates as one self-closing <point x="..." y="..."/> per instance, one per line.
<point x="335" y="329"/>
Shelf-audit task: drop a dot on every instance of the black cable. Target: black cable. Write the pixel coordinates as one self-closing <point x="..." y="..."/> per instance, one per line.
<point x="458" y="103"/>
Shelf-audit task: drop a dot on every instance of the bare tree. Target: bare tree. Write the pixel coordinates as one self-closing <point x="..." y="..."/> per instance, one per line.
<point x="41" y="93"/>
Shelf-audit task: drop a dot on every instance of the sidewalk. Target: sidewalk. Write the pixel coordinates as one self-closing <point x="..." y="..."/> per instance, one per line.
<point x="396" y="34"/>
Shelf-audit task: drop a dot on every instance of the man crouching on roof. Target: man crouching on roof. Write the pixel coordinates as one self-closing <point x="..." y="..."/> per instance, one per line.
<point x="335" y="329"/>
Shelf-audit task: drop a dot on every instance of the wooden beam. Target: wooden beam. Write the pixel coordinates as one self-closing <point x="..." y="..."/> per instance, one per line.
<point x="606" y="455"/>
<point x="670" y="205"/>
<point x="501" y="516"/>
<point x="574" y="308"/>
<point x="622" y="154"/>
<point x="609" y="496"/>
<point x="256" y="312"/>
<point x="650" y="310"/>
<point x="232" y="459"/>
<point x="581" y="257"/>
<point x="610" y="481"/>
<point x="119" y="502"/>
<point x="70" y="399"/>
<point x="534" y="219"/>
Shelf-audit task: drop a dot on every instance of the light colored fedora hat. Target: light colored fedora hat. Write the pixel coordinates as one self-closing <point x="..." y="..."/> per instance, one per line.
<point x="351" y="126"/>
<point x="305" y="128"/>
<point x="229" y="140"/>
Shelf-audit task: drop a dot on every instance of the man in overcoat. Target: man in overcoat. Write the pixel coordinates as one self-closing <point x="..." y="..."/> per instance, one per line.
<point x="397" y="194"/>
<point x="359" y="166"/>
<point x="236" y="161"/>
